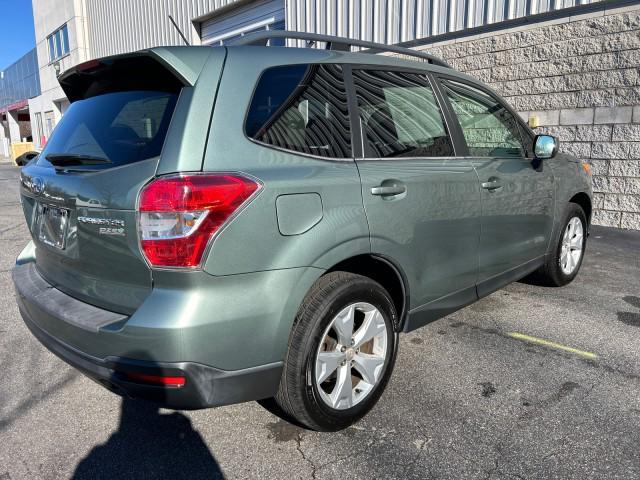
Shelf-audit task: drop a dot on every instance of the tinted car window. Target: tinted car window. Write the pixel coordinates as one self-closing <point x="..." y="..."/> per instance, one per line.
<point x="302" y="108"/>
<point x="123" y="127"/>
<point x="527" y="140"/>
<point x="489" y="129"/>
<point x="400" y="116"/>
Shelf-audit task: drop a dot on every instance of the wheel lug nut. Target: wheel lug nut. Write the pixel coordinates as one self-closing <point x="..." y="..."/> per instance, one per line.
<point x="343" y="349"/>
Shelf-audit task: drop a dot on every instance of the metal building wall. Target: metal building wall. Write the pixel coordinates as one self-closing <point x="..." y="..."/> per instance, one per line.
<point x="393" y="21"/>
<point x="255" y="15"/>
<point x="118" y="26"/>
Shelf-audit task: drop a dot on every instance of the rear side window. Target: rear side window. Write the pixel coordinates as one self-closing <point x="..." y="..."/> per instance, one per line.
<point x="301" y="108"/>
<point x="489" y="129"/>
<point x="122" y="127"/>
<point x="400" y="116"/>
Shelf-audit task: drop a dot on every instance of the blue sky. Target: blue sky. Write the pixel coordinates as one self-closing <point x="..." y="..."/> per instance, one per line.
<point x="16" y="30"/>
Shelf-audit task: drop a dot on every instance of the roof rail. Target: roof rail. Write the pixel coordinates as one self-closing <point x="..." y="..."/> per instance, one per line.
<point x="334" y="43"/>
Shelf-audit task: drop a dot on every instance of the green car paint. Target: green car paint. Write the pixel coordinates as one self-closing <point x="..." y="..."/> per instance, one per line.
<point x="448" y="240"/>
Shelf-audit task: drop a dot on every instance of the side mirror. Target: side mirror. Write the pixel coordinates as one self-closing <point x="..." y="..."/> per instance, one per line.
<point x="545" y="147"/>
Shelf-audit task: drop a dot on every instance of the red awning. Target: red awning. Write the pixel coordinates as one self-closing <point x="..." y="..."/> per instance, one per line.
<point x="14" y="106"/>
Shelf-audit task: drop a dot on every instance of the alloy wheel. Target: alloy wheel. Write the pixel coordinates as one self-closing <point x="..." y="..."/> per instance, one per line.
<point x="572" y="243"/>
<point x="351" y="356"/>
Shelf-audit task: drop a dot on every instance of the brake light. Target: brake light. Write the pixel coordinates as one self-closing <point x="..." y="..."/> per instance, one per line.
<point x="179" y="214"/>
<point x="160" y="380"/>
<point x="90" y="66"/>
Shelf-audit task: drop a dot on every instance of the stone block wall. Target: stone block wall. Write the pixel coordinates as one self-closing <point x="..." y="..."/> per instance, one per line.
<point x="580" y="78"/>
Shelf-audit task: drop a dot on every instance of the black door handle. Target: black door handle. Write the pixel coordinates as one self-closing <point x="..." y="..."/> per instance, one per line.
<point x="388" y="190"/>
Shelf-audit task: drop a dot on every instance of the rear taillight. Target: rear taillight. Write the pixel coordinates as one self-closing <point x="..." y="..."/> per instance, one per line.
<point x="179" y="214"/>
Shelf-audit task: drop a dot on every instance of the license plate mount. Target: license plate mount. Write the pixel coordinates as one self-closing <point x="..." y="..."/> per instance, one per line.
<point x="53" y="223"/>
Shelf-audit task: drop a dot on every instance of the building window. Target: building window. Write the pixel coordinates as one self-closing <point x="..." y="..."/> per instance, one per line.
<point x="58" y="43"/>
<point x="40" y="139"/>
<point x="274" y="42"/>
<point x="255" y="16"/>
<point x="49" y="123"/>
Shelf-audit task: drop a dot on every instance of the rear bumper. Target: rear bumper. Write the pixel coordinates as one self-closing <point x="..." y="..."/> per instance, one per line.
<point x="204" y="386"/>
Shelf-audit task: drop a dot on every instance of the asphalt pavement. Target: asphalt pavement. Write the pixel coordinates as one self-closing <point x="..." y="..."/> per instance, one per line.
<point x="530" y="382"/>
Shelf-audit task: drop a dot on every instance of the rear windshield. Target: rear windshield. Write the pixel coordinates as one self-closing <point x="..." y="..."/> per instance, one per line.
<point x="121" y="127"/>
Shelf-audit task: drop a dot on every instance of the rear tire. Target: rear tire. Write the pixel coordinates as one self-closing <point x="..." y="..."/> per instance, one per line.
<point x="562" y="266"/>
<point x="327" y="385"/>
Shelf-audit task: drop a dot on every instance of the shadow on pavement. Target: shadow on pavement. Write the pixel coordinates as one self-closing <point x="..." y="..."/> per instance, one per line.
<point x="148" y="444"/>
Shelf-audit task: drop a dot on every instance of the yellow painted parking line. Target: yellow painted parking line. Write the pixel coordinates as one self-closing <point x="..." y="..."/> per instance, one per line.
<point x="547" y="343"/>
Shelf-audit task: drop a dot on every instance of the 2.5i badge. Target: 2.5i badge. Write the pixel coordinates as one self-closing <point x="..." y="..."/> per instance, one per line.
<point x="111" y="231"/>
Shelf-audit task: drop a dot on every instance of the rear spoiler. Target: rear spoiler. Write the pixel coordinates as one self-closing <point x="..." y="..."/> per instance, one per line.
<point x="162" y="68"/>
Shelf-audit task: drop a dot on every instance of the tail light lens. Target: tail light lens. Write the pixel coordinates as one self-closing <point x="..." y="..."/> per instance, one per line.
<point x="179" y="214"/>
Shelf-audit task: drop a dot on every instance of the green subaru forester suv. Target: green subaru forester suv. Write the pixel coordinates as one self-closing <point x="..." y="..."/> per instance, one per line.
<point x="252" y="222"/>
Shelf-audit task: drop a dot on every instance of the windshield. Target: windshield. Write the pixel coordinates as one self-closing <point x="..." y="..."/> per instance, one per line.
<point x="120" y="127"/>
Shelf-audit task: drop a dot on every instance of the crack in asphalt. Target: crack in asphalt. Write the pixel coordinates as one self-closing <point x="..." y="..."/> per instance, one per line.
<point x="314" y="468"/>
<point x="460" y="454"/>
<point x="26" y="405"/>
<point x="426" y="440"/>
<point x="13" y="227"/>
<point x="494" y="469"/>
<point x="497" y="468"/>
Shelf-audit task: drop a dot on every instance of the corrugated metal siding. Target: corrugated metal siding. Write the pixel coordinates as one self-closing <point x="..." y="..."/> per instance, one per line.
<point x="224" y="26"/>
<point x="118" y="26"/>
<point x="393" y="21"/>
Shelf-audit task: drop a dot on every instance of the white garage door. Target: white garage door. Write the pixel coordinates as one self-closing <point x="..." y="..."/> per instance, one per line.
<point x="260" y="15"/>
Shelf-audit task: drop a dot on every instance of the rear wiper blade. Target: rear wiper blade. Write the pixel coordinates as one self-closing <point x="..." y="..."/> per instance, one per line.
<point x="64" y="159"/>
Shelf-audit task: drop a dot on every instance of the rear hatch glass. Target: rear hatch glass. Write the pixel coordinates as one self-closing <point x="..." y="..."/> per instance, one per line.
<point x="111" y="130"/>
<point x="79" y="198"/>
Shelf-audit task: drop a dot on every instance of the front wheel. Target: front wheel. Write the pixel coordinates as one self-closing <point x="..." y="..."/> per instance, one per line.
<point x="563" y="265"/>
<point x="341" y="352"/>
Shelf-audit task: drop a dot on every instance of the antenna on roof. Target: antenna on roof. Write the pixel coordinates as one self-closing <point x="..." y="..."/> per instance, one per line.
<point x="186" y="42"/>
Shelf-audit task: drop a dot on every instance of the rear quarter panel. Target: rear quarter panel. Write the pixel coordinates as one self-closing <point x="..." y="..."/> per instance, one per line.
<point x="253" y="240"/>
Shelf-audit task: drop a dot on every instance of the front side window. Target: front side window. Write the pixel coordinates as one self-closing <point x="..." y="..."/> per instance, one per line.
<point x="489" y="129"/>
<point x="301" y="108"/>
<point x="527" y="140"/>
<point x="400" y="116"/>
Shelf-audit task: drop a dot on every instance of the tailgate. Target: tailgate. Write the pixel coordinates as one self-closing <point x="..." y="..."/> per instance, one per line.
<point x="79" y="198"/>
<point x="91" y="250"/>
